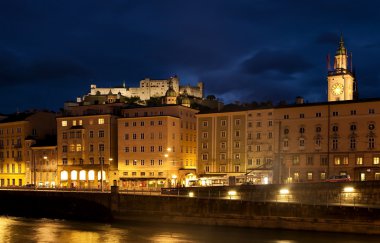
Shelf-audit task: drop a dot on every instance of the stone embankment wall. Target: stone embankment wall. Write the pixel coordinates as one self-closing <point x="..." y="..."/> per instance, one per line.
<point x="304" y="207"/>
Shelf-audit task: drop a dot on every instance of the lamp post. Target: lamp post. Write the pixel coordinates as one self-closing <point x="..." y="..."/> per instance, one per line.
<point x="101" y="173"/>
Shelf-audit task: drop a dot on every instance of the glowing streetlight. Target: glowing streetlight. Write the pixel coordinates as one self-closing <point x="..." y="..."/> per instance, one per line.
<point x="348" y="189"/>
<point x="284" y="191"/>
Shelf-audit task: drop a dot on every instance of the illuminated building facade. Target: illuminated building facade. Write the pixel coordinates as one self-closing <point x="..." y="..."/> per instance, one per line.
<point x="157" y="146"/>
<point x="17" y="133"/>
<point x="87" y="145"/>
<point x="222" y="144"/>
<point x="149" y="88"/>
<point x="43" y="165"/>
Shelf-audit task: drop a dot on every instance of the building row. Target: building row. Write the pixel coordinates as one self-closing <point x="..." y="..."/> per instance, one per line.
<point x="174" y="142"/>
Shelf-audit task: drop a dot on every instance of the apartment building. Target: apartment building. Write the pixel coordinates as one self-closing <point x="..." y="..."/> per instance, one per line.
<point x="17" y="133"/>
<point x="157" y="146"/>
<point x="87" y="151"/>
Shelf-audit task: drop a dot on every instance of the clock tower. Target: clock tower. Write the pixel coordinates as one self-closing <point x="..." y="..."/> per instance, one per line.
<point x="341" y="81"/>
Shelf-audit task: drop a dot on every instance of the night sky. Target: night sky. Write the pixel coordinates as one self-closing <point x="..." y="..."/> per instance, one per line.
<point x="51" y="51"/>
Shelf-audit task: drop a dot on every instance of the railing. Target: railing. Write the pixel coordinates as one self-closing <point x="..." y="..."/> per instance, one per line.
<point x="327" y="198"/>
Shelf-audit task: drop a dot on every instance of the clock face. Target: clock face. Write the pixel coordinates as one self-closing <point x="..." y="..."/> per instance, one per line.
<point x="337" y="89"/>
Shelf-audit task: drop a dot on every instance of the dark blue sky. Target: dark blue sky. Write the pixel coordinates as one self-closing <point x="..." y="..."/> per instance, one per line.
<point x="247" y="50"/>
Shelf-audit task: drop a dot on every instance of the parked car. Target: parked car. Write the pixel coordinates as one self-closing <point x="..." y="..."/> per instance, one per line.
<point x="339" y="178"/>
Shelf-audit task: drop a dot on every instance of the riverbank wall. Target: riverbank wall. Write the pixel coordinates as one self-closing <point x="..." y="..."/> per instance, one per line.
<point x="211" y="207"/>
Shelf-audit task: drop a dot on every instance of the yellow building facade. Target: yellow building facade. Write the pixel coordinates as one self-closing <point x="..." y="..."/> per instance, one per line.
<point x="87" y="145"/>
<point x="17" y="133"/>
<point x="157" y="147"/>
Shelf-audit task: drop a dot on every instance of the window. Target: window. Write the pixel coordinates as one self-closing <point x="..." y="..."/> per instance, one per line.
<point x="101" y="121"/>
<point x="309" y="176"/>
<point x="258" y="161"/>
<point x="335" y="113"/>
<point x="222" y="168"/>
<point x="91" y="160"/>
<point x="309" y="160"/>
<point x="159" y="122"/>
<point x="371" y="142"/>
<point x="142" y="136"/>
<point x="324" y="161"/>
<point x="152" y="123"/>
<point x="142" y="123"/>
<point x="142" y="149"/>
<point x="237" y="133"/>
<point x="352" y="143"/>
<point x="223" y="134"/>
<point x="286" y="131"/>
<point x="371" y="111"/>
<point x="258" y="135"/>
<point x="134" y="162"/>
<point x="302" y="142"/>
<point x="237" y="122"/>
<point x="258" y="124"/>
<point x="376" y="160"/>
<point x="270" y="135"/>
<point x="296" y="160"/>
<point x="142" y="162"/>
<point x="302" y="115"/>
<point x="223" y="123"/>
<point x="126" y="136"/>
<point x="322" y="176"/>
<point x="223" y="145"/>
<point x="204" y="145"/>
<point x="371" y="126"/>
<point x="64" y="161"/>
<point x="359" y="160"/>
<point x="134" y="149"/>
<point x="205" y="123"/>
<point x="134" y="136"/>
<point x="64" y="123"/>
<point x="285" y="144"/>
<point x="335" y="144"/>
<point x="126" y="124"/>
<point x="258" y="148"/>
<point x="318" y="129"/>
<point x="237" y="156"/>
<point x="270" y="123"/>
<point x="204" y="134"/>
<point x="91" y="134"/>
<point x="151" y="148"/>
<point x="64" y="135"/>
<point x="207" y="168"/>
<point x="302" y="130"/>
<point x="335" y="128"/>
<point x="286" y="116"/>
<point x="353" y="127"/>
<point x="345" y="160"/>
<point x="101" y="147"/>
<point x="337" y="161"/>
<point x="152" y="162"/>
<point x="64" y="148"/>
<point x="204" y="156"/>
<point x="222" y="156"/>
<point x="318" y="114"/>
<point x="353" y="112"/>
<point x="160" y="162"/>
<point x="237" y="168"/>
<point x="101" y="134"/>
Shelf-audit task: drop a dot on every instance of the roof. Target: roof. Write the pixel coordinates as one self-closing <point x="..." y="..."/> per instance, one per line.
<point x="16" y="117"/>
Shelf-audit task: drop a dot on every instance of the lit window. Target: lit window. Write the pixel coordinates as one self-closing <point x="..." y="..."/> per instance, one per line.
<point x="64" y="175"/>
<point x="359" y="160"/>
<point x="74" y="175"/>
<point x="310" y="176"/>
<point x="64" y="123"/>
<point x="101" y="121"/>
<point x="376" y="160"/>
<point x="91" y="175"/>
<point x="82" y="175"/>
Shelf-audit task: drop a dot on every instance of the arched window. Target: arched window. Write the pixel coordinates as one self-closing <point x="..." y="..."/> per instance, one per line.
<point x="64" y="175"/>
<point x="74" y="175"/>
<point x="100" y="177"/>
<point x="91" y="175"/>
<point x="82" y="175"/>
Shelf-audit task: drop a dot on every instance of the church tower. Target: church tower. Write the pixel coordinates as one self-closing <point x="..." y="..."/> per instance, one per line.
<point x="170" y="96"/>
<point x="340" y="80"/>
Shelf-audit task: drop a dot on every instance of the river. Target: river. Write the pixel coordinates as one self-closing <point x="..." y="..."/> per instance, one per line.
<point x="13" y="229"/>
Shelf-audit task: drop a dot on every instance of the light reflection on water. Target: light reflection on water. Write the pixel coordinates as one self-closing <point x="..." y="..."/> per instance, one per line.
<point x="24" y="230"/>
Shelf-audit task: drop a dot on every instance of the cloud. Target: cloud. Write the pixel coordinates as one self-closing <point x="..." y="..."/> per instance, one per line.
<point x="17" y="69"/>
<point x="282" y="62"/>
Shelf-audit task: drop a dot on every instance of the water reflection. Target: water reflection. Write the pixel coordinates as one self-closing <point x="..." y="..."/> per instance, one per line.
<point x="45" y="230"/>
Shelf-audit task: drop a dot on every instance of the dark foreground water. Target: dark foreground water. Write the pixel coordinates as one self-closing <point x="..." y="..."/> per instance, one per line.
<point x="24" y="230"/>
